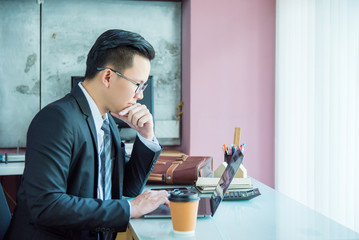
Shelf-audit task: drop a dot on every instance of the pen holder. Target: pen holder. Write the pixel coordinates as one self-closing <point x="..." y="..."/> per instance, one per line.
<point x="227" y="157"/>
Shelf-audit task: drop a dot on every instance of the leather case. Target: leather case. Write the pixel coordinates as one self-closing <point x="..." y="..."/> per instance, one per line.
<point x="181" y="169"/>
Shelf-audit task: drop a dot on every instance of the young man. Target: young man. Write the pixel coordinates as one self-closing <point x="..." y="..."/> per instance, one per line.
<point x="75" y="170"/>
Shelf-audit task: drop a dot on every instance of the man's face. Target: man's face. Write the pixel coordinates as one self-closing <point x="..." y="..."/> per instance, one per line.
<point x="122" y="92"/>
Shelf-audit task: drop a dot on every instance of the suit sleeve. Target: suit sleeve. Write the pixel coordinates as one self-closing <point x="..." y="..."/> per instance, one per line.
<point x="139" y="167"/>
<point x="48" y="162"/>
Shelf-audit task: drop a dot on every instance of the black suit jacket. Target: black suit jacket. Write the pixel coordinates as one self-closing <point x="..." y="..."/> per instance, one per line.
<point x="57" y="196"/>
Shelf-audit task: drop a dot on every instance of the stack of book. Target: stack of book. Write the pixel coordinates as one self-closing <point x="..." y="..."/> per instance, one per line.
<point x="12" y="157"/>
<point x="208" y="184"/>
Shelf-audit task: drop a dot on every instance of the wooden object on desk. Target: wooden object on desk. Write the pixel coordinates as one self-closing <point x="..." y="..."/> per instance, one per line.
<point x="237" y="136"/>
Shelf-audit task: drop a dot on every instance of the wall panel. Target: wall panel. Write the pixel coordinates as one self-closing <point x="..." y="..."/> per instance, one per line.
<point x="19" y="69"/>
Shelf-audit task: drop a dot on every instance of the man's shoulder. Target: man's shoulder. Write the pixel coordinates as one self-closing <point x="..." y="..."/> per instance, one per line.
<point x="64" y="108"/>
<point x="66" y="103"/>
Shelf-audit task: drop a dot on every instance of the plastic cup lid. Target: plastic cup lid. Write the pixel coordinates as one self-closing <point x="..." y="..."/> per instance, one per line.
<point x="183" y="196"/>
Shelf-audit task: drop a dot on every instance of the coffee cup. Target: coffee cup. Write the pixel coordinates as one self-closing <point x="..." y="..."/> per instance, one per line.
<point x="184" y="208"/>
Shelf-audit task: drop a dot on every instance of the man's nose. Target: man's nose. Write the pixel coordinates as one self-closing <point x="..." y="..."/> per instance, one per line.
<point x="139" y="95"/>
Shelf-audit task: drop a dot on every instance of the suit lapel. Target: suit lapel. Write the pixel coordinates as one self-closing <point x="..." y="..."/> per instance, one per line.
<point x="85" y="109"/>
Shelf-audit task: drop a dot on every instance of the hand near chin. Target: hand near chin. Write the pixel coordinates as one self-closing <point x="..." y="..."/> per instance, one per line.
<point x="139" y="118"/>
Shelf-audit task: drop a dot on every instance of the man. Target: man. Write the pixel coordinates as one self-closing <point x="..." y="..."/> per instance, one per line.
<point x="75" y="170"/>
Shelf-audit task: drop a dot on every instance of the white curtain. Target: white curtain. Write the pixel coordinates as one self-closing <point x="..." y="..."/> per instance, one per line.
<point x="317" y="106"/>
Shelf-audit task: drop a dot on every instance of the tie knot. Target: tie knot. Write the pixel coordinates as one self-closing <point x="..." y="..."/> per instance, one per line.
<point x="106" y="126"/>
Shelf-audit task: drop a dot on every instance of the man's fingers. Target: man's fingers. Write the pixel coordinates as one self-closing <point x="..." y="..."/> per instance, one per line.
<point x="164" y="195"/>
<point x="127" y="110"/>
<point x="162" y="198"/>
<point x="134" y="115"/>
<point x="158" y="197"/>
<point x="141" y="117"/>
<point x="147" y="202"/>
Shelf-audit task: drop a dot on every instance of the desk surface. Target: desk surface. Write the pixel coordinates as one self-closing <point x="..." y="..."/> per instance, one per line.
<point x="269" y="216"/>
<point x="12" y="168"/>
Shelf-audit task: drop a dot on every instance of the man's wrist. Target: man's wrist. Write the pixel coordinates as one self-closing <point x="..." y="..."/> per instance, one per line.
<point x="153" y="144"/>
<point x="148" y="136"/>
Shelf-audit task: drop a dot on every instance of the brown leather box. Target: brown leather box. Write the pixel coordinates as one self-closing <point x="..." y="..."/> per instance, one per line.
<point x="181" y="169"/>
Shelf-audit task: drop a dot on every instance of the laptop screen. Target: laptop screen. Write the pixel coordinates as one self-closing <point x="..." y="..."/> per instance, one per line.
<point x="226" y="179"/>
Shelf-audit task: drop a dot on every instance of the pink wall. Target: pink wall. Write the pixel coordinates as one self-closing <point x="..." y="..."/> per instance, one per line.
<point x="228" y="80"/>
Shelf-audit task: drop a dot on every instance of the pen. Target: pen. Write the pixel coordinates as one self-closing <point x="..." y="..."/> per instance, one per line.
<point x="242" y="147"/>
<point x="224" y="148"/>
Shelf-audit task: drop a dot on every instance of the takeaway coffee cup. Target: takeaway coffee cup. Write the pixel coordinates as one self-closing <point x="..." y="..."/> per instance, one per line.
<point x="184" y="207"/>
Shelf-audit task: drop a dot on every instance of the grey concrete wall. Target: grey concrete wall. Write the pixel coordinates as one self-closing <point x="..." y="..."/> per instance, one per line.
<point x="19" y="69"/>
<point x="69" y="28"/>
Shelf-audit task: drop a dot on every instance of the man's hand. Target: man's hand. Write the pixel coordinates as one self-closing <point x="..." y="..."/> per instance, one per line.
<point x="139" y="118"/>
<point x="147" y="202"/>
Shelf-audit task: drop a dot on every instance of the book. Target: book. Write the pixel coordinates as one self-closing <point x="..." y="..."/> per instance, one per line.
<point x="208" y="184"/>
<point x="12" y="157"/>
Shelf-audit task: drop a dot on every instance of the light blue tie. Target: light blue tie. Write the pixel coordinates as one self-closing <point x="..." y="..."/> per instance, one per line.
<point x="106" y="160"/>
<point x="106" y="168"/>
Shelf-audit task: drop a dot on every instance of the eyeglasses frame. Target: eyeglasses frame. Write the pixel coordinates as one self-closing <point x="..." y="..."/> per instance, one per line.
<point x="140" y="86"/>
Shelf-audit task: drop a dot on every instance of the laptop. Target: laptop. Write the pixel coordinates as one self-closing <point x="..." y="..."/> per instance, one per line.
<point x="208" y="205"/>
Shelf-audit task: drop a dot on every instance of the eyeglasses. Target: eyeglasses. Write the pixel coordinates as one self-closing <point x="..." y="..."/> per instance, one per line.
<point x="140" y="86"/>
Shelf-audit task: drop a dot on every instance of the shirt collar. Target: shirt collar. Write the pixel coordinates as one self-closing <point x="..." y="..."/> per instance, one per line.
<point x="94" y="109"/>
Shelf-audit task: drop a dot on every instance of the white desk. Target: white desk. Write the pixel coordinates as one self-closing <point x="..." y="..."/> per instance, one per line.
<point x="7" y="169"/>
<point x="269" y="216"/>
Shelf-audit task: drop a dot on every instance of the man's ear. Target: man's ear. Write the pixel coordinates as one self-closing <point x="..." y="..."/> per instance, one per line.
<point x="105" y="77"/>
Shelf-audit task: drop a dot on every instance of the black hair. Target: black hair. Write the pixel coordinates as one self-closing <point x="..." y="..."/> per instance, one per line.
<point x="116" y="47"/>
